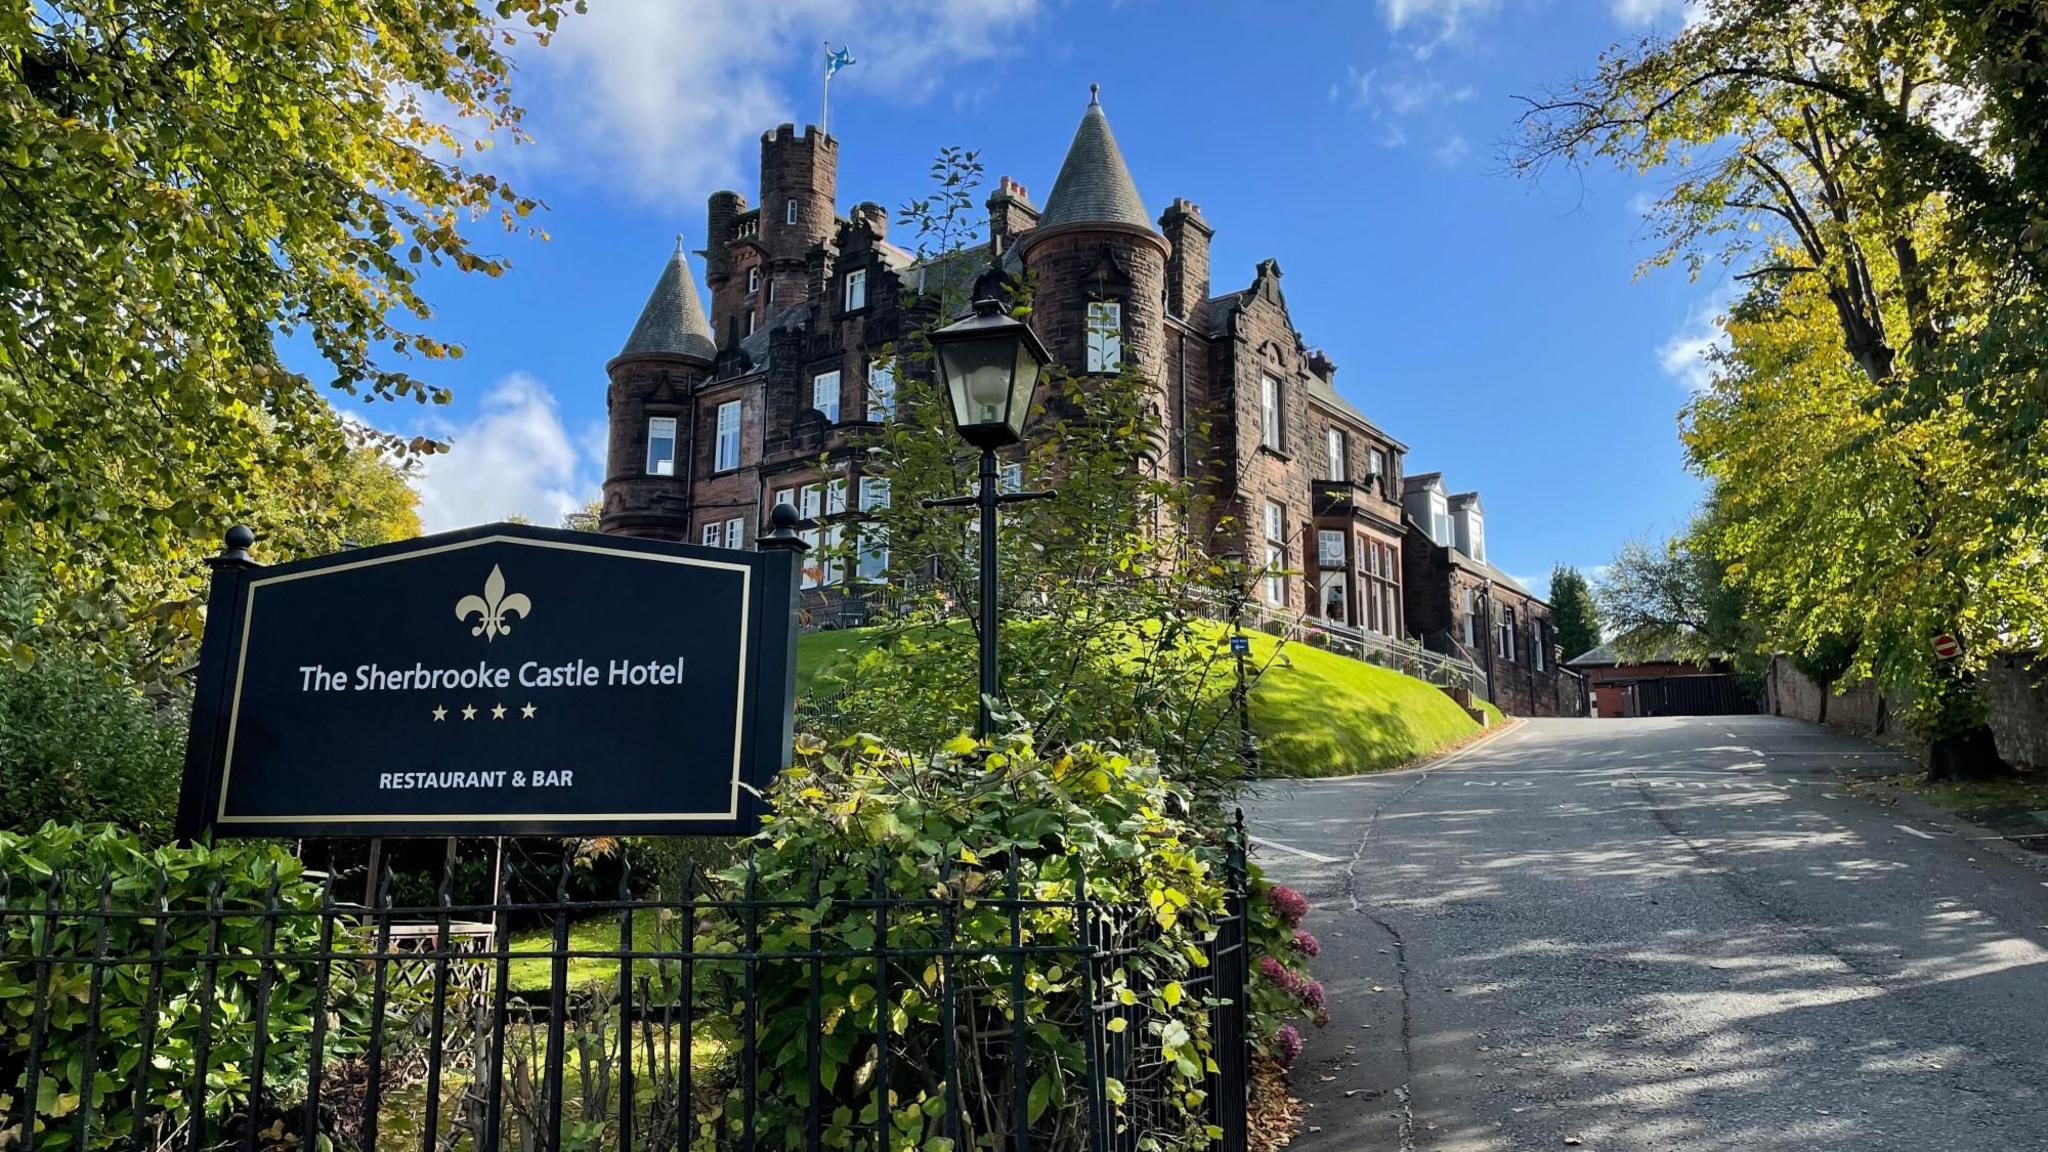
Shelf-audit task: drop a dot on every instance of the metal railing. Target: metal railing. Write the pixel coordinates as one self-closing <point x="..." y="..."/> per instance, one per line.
<point x="1405" y="657"/>
<point x="751" y="1009"/>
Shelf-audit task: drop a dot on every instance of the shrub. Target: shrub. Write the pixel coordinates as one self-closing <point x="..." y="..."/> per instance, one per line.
<point x="952" y="830"/>
<point x="90" y="864"/>
<point x="78" y="743"/>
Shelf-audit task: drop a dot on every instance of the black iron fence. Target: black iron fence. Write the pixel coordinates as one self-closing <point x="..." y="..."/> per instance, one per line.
<point x="747" y="1009"/>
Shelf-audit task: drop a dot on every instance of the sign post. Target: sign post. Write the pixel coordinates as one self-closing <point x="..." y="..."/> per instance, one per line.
<point x="502" y="680"/>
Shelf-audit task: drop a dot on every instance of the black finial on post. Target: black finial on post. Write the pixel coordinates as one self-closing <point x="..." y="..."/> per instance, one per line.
<point x="782" y="533"/>
<point x="235" y="550"/>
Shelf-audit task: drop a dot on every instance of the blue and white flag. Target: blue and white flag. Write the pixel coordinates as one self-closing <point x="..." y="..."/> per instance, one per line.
<point x="837" y="59"/>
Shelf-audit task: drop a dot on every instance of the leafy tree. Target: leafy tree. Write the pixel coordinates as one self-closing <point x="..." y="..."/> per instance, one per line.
<point x="1101" y="632"/>
<point x="176" y="192"/>
<point x="1874" y="173"/>
<point x="1674" y="597"/>
<point x="1573" y="612"/>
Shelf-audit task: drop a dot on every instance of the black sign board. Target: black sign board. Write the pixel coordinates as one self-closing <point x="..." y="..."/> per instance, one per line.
<point x="503" y="680"/>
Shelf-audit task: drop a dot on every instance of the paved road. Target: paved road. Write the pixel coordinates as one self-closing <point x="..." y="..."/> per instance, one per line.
<point x="1662" y="934"/>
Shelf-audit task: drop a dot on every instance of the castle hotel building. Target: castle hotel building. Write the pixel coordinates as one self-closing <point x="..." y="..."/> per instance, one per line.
<point x="717" y="417"/>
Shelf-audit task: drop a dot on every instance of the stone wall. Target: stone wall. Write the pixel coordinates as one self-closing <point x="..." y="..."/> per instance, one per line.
<point x="2016" y="697"/>
<point x="1862" y="708"/>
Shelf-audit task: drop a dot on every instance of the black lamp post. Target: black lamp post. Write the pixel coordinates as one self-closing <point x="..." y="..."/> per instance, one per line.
<point x="1240" y="699"/>
<point x="1486" y="616"/>
<point x="990" y="364"/>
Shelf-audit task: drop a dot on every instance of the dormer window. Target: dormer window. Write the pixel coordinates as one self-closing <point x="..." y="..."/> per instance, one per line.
<point x="753" y="280"/>
<point x="1337" y="448"/>
<point x="1105" y="336"/>
<point x="856" y="290"/>
<point x="789" y="212"/>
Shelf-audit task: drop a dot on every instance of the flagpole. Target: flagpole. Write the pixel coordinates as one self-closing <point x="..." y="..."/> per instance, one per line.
<point x="825" y="110"/>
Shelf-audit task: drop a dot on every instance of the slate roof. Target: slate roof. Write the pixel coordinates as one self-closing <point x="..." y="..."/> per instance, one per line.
<point x="1325" y="394"/>
<point x="672" y="323"/>
<point x="756" y="343"/>
<point x="1604" y="657"/>
<point x="1094" y="184"/>
<point x="1491" y="573"/>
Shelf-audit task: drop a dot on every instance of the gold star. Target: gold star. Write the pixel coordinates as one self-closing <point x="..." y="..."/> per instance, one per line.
<point x="469" y="712"/>
<point x="527" y="712"/>
<point x="440" y="713"/>
<point x="498" y="713"/>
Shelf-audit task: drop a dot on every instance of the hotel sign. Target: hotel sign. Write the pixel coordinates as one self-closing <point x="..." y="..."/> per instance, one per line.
<point x="504" y="680"/>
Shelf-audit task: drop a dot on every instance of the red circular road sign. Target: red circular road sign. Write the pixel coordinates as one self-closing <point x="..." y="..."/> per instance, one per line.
<point x="1947" y="647"/>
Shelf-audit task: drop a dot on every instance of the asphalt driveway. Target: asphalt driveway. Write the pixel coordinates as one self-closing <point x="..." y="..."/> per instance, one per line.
<point x="1661" y="934"/>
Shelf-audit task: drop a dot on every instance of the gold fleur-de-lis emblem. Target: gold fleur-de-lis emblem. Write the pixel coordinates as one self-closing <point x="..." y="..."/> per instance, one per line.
<point x="493" y="607"/>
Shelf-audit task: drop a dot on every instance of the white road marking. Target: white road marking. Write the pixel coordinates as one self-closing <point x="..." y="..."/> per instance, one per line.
<point x="1277" y="846"/>
<point x="1909" y="829"/>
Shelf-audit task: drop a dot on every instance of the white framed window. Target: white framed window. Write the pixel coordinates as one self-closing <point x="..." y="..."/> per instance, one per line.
<point x="789" y="212"/>
<point x="735" y="532"/>
<point x="782" y="496"/>
<point x="714" y="534"/>
<point x="1439" y="519"/>
<point x="814" y="562"/>
<point x="825" y="395"/>
<point x="1010" y="478"/>
<point x="1471" y="618"/>
<point x="1271" y="415"/>
<point x="754" y="279"/>
<point x="856" y="290"/>
<point x="1337" y="446"/>
<point x="661" y="446"/>
<point x="874" y="493"/>
<point x="872" y="564"/>
<point x="771" y="293"/>
<point x="1329" y="549"/>
<point x="881" y="390"/>
<point x="1276" y="552"/>
<point x="1504" y="634"/>
<point x="1536" y="645"/>
<point x="835" y="496"/>
<point x="1376" y="464"/>
<point x="753" y="322"/>
<point x="1105" y="336"/>
<point x="728" y="446"/>
<point x="835" y="560"/>
<point x="811" y="501"/>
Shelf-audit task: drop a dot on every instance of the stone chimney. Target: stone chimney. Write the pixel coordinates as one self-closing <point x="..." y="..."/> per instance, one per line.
<point x="874" y="216"/>
<point x="1010" y="213"/>
<point x="1187" y="267"/>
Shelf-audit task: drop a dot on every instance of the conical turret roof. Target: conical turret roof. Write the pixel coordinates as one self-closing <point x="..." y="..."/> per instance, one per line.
<point x="1094" y="185"/>
<point x="672" y="323"/>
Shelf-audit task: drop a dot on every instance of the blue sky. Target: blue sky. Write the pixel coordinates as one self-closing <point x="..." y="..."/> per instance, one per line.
<point x="1495" y="325"/>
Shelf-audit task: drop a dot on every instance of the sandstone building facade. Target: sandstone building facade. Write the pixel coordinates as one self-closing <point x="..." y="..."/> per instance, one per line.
<point x="717" y="416"/>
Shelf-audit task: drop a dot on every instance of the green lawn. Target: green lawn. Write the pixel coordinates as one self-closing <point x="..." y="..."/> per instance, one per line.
<point x="1316" y="713"/>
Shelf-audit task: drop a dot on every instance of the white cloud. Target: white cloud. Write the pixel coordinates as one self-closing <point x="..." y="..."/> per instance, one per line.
<point x="664" y="97"/>
<point x="1435" y="21"/>
<point x="1685" y="356"/>
<point x="1404" y="103"/>
<point x="513" y="458"/>
<point x="1642" y="13"/>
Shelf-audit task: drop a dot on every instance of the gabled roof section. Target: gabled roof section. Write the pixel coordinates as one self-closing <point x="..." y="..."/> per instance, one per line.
<point x="1323" y="392"/>
<point x="672" y="323"/>
<point x="1491" y="573"/>
<point x="1094" y="185"/>
<point x="1417" y="481"/>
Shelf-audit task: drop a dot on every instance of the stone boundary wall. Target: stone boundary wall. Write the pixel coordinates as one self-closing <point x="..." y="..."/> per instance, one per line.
<point x="2016" y="696"/>
<point x="2015" y="691"/>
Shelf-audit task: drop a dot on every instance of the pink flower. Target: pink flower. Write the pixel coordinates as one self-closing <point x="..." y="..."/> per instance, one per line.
<point x="1306" y="943"/>
<point x="1273" y="970"/>
<point x="1313" y="993"/>
<point x="1290" y="1044"/>
<point x="1291" y="905"/>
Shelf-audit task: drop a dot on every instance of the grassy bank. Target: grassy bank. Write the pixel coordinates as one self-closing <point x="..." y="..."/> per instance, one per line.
<point x="1315" y="713"/>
